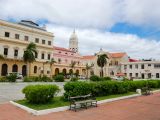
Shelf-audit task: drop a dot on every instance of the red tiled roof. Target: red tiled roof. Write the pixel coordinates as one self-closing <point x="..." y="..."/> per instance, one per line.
<point x="121" y="74"/>
<point x="111" y="55"/>
<point x="116" y="54"/>
<point x="64" y="49"/>
<point x="133" y="60"/>
<point x="88" y="57"/>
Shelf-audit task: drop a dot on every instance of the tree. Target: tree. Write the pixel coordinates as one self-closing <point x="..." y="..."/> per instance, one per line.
<point x="1" y="57"/>
<point x="51" y="63"/>
<point x="28" y="56"/>
<point x="101" y="61"/>
<point x="72" y="65"/>
<point x="87" y="68"/>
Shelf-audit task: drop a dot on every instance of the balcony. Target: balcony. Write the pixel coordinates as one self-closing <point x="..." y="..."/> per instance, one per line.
<point x="13" y="57"/>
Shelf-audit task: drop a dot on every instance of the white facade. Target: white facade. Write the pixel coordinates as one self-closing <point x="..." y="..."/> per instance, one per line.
<point x="143" y="69"/>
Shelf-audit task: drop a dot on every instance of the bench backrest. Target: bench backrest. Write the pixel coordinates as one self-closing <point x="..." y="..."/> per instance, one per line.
<point x="83" y="96"/>
<point x="144" y="87"/>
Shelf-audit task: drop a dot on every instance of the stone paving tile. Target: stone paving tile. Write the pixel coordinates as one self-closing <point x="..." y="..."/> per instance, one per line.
<point x="138" y="108"/>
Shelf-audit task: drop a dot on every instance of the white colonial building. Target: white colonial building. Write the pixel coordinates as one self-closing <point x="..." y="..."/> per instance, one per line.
<point x="143" y="68"/>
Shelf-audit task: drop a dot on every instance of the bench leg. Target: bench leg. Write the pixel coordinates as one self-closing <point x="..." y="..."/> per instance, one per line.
<point x="70" y="107"/>
<point x="91" y="103"/>
<point x="86" y="105"/>
<point x="75" y="107"/>
<point x="96" y="103"/>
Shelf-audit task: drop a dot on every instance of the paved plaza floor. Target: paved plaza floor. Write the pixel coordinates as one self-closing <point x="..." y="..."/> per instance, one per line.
<point x="137" y="108"/>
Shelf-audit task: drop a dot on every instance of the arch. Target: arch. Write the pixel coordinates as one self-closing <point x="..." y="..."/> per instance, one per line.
<point x="4" y="69"/>
<point x="70" y="71"/>
<point x="56" y="71"/>
<point x="77" y="71"/>
<point x="70" y="48"/>
<point x="73" y="49"/>
<point x="35" y="69"/>
<point x="24" y="70"/>
<point x="14" y="68"/>
<point x="64" y="71"/>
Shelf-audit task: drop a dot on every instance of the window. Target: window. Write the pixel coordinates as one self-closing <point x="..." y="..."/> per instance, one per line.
<point x="78" y="62"/>
<point x="48" y="70"/>
<point x="35" y="69"/>
<point x="16" y="53"/>
<point x="59" y="60"/>
<point x="5" y="51"/>
<point x="157" y="75"/>
<point x="37" y="40"/>
<point x="26" y="38"/>
<point x="130" y="74"/>
<point x="66" y="53"/>
<point x="116" y="62"/>
<point x="142" y="66"/>
<point x="59" y="52"/>
<point x="149" y="64"/>
<point x="49" y="42"/>
<point x="111" y="73"/>
<point x="24" y="51"/>
<point x="43" y="41"/>
<point x="16" y="36"/>
<point x="136" y="66"/>
<point x="42" y="55"/>
<point x="36" y="55"/>
<point x="149" y="75"/>
<point x="130" y="66"/>
<point x="157" y="66"/>
<point x="6" y="34"/>
<point x="136" y="75"/>
<point x="48" y="56"/>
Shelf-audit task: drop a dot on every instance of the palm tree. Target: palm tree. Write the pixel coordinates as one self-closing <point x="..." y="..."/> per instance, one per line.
<point x="28" y="56"/>
<point x="51" y="63"/>
<point x="1" y="57"/>
<point x="87" y="68"/>
<point x="72" y="65"/>
<point x="101" y="61"/>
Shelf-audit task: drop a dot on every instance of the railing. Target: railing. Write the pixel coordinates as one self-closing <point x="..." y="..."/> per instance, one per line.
<point x="13" y="57"/>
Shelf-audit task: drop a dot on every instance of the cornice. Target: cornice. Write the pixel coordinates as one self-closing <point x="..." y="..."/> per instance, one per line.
<point x="25" y="28"/>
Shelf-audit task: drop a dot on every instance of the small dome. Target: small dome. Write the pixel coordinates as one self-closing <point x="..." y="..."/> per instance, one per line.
<point x="73" y="36"/>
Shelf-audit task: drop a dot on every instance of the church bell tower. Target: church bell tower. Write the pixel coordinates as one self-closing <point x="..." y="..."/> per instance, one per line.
<point x="73" y="42"/>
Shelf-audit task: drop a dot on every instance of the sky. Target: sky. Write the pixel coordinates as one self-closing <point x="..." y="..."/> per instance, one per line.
<point x="131" y="26"/>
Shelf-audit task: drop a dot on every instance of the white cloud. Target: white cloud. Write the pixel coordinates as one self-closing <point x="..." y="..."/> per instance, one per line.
<point x="90" y="41"/>
<point x="84" y="13"/>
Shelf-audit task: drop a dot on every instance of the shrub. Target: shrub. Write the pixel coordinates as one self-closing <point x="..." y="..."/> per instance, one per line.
<point x="125" y="79"/>
<point x="12" y="77"/>
<point x="74" y="79"/>
<point x="101" y="78"/>
<point x="50" y="80"/>
<point x="36" y="79"/>
<point x="61" y="74"/>
<point x="3" y="79"/>
<point x="94" y="78"/>
<point x="40" y="93"/>
<point x="107" y="78"/>
<point x="44" y="78"/>
<point x="139" y="78"/>
<point x="59" y="78"/>
<point x="27" y="79"/>
<point x="76" y="74"/>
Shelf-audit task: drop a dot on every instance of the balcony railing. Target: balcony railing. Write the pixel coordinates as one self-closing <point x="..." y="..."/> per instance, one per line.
<point x="13" y="57"/>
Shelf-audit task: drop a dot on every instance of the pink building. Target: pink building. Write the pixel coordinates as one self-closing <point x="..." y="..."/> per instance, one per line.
<point x="64" y="57"/>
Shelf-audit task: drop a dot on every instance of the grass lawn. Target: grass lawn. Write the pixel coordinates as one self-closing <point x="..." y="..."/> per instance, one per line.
<point x="57" y="102"/>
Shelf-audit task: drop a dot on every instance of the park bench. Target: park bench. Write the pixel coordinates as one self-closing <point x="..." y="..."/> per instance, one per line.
<point x="82" y="101"/>
<point x="147" y="90"/>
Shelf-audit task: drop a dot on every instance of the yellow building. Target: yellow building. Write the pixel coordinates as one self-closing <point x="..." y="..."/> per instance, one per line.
<point x="14" y="38"/>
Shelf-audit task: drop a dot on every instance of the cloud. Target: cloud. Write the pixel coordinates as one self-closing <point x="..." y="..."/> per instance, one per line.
<point x="90" y="41"/>
<point x="84" y="13"/>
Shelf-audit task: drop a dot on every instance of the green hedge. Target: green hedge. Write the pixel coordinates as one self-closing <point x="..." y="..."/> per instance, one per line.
<point x="94" y="78"/>
<point x="106" y="88"/>
<point x="74" y="79"/>
<point x="40" y="93"/>
<point x="59" y="78"/>
<point x="12" y="77"/>
<point x="107" y="78"/>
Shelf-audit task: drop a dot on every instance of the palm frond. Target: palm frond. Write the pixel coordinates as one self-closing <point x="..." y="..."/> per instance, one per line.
<point x="1" y="57"/>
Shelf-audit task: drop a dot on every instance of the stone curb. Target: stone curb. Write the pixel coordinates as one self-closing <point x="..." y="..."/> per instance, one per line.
<point x="47" y="111"/>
